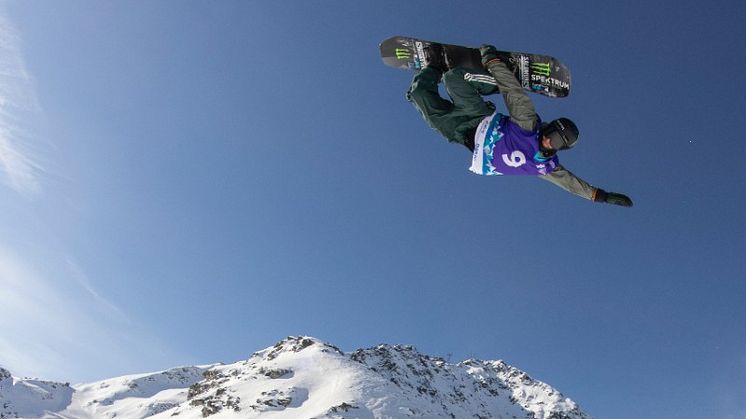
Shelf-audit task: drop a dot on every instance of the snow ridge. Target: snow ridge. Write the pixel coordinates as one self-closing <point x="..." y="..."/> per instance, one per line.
<point x="31" y="398"/>
<point x="301" y="377"/>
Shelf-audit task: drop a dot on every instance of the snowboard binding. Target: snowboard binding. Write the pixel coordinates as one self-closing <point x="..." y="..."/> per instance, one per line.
<point x="437" y="57"/>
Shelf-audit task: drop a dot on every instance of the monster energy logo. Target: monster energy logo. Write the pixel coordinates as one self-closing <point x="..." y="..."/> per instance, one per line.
<point x="403" y="54"/>
<point x="541" y="68"/>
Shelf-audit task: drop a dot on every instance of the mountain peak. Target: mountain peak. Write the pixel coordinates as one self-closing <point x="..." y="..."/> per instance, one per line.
<point x="295" y="344"/>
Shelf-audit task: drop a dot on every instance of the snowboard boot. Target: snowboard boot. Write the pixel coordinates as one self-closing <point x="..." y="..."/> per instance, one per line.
<point x="435" y="57"/>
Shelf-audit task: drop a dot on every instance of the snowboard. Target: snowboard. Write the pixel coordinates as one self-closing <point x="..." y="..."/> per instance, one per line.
<point x="536" y="73"/>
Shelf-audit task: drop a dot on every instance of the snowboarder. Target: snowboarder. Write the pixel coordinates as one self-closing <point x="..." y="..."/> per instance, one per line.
<point x="516" y="144"/>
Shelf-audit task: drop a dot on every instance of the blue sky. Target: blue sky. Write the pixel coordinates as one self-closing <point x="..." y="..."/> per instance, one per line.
<point x="187" y="182"/>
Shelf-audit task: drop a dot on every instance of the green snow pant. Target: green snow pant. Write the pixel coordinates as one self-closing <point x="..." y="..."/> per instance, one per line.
<point x="456" y="119"/>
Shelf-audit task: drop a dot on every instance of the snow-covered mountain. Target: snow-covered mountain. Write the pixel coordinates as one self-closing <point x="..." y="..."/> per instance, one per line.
<point x="304" y="378"/>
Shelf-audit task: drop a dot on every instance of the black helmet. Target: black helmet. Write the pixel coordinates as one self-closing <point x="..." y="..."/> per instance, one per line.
<point x="562" y="133"/>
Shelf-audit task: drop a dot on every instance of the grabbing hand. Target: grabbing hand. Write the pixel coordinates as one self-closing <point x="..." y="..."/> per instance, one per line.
<point x="489" y="54"/>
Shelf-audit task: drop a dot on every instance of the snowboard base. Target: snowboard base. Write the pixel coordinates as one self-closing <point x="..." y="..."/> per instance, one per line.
<point x="542" y="74"/>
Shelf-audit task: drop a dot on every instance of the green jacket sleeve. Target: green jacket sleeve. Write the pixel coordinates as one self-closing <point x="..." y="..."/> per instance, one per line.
<point x="566" y="180"/>
<point x="519" y="105"/>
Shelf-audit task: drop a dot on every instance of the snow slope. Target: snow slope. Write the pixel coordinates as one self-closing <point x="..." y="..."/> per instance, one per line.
<point x="301" y="377"/>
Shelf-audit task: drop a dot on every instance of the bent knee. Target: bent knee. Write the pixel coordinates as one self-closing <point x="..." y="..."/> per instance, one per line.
<point x="454" y="74"/>
<point x="420" y="88"/>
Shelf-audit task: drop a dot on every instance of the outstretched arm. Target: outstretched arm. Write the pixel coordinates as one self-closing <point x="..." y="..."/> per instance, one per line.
<point x="566" y="180"/>
<point x="519" y="105"/>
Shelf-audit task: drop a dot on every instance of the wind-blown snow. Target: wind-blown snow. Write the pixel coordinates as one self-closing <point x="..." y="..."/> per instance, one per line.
<point x="301" y="377"/>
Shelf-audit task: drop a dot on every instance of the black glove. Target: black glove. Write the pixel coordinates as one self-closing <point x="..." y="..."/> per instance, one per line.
<point x="612" y="198"/>
<point x="489" y="53"/>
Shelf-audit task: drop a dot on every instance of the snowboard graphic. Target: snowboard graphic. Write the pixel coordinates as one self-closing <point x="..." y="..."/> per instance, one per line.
<point x="537" y="73"/>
